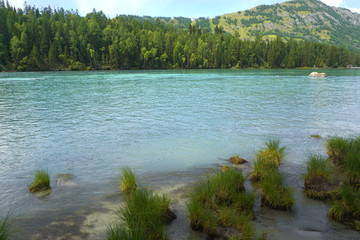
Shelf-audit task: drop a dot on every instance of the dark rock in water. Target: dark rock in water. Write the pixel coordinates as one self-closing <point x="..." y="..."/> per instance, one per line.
<point x="169" y="216"/>
<point x="237" y="160"/>
<point x="224" y="233"/>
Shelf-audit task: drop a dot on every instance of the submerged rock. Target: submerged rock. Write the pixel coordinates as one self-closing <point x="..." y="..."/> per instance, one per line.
<point x="316" y="74"/>
<point x="237" y="160"/>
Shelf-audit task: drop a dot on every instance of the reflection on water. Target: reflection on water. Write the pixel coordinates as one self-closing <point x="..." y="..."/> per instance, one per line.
<point x="166" y="125"/>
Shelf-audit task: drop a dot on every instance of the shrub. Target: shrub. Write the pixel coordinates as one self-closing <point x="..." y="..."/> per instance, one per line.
<point x="128" y="180"/>
<point x="41" y="181"/>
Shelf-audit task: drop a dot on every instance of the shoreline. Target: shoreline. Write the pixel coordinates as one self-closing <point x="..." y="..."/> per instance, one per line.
<point x="177" y="69"/>
<point x="90" y="220"/>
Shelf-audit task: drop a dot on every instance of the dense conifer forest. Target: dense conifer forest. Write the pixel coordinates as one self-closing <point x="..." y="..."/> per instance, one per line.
<point x="33" y="39"/>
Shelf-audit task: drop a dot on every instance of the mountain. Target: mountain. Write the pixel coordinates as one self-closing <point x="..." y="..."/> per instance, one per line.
<point x="298" y="19"/>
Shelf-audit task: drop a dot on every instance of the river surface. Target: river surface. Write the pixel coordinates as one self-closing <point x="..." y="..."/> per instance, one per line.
<point x="166" y="125"/>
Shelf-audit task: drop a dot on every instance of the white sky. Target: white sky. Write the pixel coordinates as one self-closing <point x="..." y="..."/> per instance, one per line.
<point x="168" y="8"/>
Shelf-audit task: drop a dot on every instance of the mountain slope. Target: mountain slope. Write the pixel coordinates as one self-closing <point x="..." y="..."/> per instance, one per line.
<point x="298" y="19"/>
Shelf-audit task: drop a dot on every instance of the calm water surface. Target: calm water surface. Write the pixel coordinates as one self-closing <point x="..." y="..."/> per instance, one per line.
<point x="91" y="123"/>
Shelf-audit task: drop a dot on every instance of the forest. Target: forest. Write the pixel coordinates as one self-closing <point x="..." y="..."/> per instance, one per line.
<point x="33" y="39"/>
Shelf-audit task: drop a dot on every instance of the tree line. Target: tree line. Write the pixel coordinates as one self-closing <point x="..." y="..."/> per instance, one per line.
<point x="33" y="39"/>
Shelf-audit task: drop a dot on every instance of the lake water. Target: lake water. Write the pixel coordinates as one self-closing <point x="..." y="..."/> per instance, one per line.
<point x="90" y="124"/>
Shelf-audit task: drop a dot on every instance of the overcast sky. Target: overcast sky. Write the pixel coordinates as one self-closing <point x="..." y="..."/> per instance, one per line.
<point x="167" y="8"/>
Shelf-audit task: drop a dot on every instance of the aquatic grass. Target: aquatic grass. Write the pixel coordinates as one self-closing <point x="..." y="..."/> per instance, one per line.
<point x="317" y="179"/>
<point x="337" y="148"/>
<point x="241" y="221"/>
<point x="316" y="136"/>
<point x="143" y="214"/>
<point x="352" y="166"/>
<point x="116" y="232"/>
<point x="336" y="212"/>
<point x="273" y="152"/>
<point x="225" y="184"/>
<point x="201" y="216"/>
<point x="317" y="166"/>
<point x="5" y="228"/>
<point x="128" y="180"/>
<point x="274" y="194"/>
<point x="261" y="167"/>
<point x="351" y="200"/>
<point x="218" y="200"/>
<point x="41" y="181"/>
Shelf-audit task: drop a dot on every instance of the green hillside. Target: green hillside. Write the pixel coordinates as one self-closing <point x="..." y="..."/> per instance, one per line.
<point x="298" y="19"/>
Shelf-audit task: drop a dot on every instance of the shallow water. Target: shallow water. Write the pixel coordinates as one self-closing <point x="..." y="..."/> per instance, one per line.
<point x="159" y="123"/>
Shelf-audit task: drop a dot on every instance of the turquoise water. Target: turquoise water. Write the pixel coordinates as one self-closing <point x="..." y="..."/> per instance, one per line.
<point x="91" y="123"/>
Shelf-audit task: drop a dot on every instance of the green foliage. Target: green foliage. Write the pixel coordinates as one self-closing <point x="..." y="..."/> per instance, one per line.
<point x="143" y="214"/>
<point x="5" y="228"/>
<point x="41" y="181"/>
<point x="128" y="180"/>
<point x="48" y="39"/>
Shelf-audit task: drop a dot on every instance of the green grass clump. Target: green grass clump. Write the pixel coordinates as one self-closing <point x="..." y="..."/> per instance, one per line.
<point x="336" y="212"/>
<point x="273" y="152"/>
<point x="41" y="181"/>
<point x="128" y="180"/>
<point x="337" y="148"/>
<point x="220" y="200"/>
<point x="317" y="179"/>
<point x="317" y="166"/>
<point x="261" y="167"/>
<point x="274" y="194"/>
<point x="316" y="136"/>
<point x="351" y="200"/>
<point x="4" y="228"/>
<point x="143" y="214"/>
<point x="352" y="166"/>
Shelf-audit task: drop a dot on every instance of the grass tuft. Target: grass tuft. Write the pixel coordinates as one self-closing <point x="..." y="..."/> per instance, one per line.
<point x="128" y="180"/>
<point x="143" y="214"/>
<point x="336" y="212"/>
<point x="352" y="165"/>
<point x="317" y="179"/>
<point x="41" y="181"/>
<point x="337" y="147"/>
<point x="351" y="200"/>
<point x="5" y="228"/>
<point x="220" y="200"/>
<point x="275" y="195"/>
